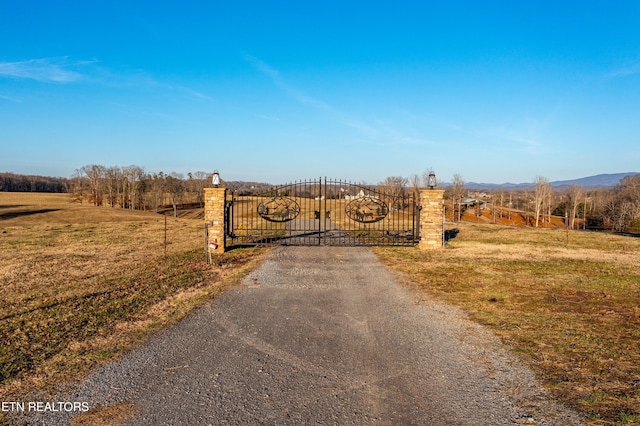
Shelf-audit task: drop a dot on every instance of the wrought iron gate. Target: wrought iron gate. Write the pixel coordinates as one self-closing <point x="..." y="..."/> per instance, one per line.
<point x="323" y="212"/>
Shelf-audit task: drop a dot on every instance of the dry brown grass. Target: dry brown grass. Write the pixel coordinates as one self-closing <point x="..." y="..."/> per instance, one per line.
<point x="83" y="284"/>
<point x="571" y="310"/>
<point x="113" y="415"/>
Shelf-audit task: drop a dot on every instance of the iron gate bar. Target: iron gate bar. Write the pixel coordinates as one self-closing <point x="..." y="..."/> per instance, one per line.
<point x="323" y="212"/>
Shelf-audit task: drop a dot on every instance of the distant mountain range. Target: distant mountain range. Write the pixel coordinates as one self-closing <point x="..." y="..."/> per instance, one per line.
<point x="597" y="181"/>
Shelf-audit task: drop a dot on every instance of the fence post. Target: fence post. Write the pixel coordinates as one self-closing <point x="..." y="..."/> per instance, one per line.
<point x="431" y="232"/>
<point x="214" y="206"/>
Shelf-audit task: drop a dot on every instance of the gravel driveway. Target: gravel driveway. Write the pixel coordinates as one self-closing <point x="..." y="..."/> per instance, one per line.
<point x="321" y="335"/>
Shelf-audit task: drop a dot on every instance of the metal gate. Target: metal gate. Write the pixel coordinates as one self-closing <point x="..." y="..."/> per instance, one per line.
<point x="323" y="212"/>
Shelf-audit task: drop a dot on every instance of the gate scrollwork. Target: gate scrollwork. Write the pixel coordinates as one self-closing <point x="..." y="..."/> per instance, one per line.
<point x="321" y="212"/>
<point x="279" y="209"/>
<point x="366" y="209"/>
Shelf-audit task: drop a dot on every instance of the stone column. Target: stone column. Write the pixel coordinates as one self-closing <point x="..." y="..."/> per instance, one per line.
<point x="214" y="205"/>
<point x="431" y="218"/>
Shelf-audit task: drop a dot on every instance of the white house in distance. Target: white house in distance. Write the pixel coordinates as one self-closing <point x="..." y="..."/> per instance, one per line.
<point x="361" y="194"/>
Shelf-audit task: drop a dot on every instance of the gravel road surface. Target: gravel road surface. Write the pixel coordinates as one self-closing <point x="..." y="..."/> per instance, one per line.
<point x="320" y="335"/>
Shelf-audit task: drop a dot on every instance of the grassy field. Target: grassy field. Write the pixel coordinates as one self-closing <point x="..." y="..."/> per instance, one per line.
<point x="569" y="306"/>
<point x="81" y="284"/>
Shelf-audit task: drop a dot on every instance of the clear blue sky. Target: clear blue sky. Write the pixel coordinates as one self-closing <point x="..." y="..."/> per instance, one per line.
<point x="275" y="91"/>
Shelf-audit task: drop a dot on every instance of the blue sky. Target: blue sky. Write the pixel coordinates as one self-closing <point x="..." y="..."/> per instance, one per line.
<point x="276" y="91"/>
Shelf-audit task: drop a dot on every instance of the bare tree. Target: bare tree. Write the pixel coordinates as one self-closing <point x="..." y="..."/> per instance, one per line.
<point x="132" y="176"/>
<point x="197" y="182"/>
<point x="394" y="187"/>
<point x="575" y="195"/>
<point x="95" y="176"/>
<point x="541" y="195"/>
<point x="78" y="185"/>
<point x="457" y="192"/>
<point x="627" y="203"/>
<point x="175" y="186"/>
<point x="112" y="185"/>
<point x="416" y="183"/>
<point x="157" y="186"/>
<point x="502" y="203"/>
<point x="144" y="189"/>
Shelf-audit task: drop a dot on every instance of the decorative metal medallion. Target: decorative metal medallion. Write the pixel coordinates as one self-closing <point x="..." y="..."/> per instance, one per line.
<point x="366" y="209"/>
<point x="279" y="209"/>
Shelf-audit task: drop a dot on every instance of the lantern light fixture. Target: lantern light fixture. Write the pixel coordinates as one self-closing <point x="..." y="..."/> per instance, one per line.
<point x="431" y="180"/>
<point x="216" y="178"/>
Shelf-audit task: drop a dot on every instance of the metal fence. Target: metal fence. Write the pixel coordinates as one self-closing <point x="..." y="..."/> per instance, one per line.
<point x="323" y="212"/>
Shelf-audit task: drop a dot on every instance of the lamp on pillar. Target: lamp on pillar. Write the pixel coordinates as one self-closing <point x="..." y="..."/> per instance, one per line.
<point x="431" y="180"/>
<point x="216" y="179"/>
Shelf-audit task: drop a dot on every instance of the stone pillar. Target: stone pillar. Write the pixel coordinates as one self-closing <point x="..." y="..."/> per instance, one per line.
<point x="214" y="206"/>
<point x="431" y="218"/>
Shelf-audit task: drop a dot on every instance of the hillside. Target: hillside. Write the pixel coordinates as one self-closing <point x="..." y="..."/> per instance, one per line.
<point x="603" y="180"/>
<point x="596" y="181"/>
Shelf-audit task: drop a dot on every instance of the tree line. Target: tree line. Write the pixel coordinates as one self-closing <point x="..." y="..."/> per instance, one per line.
<point x="11" y="182"/>
<point x="614" y="208"/>
<point x="619" y="208"/>
<point x="133" y="188"/>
